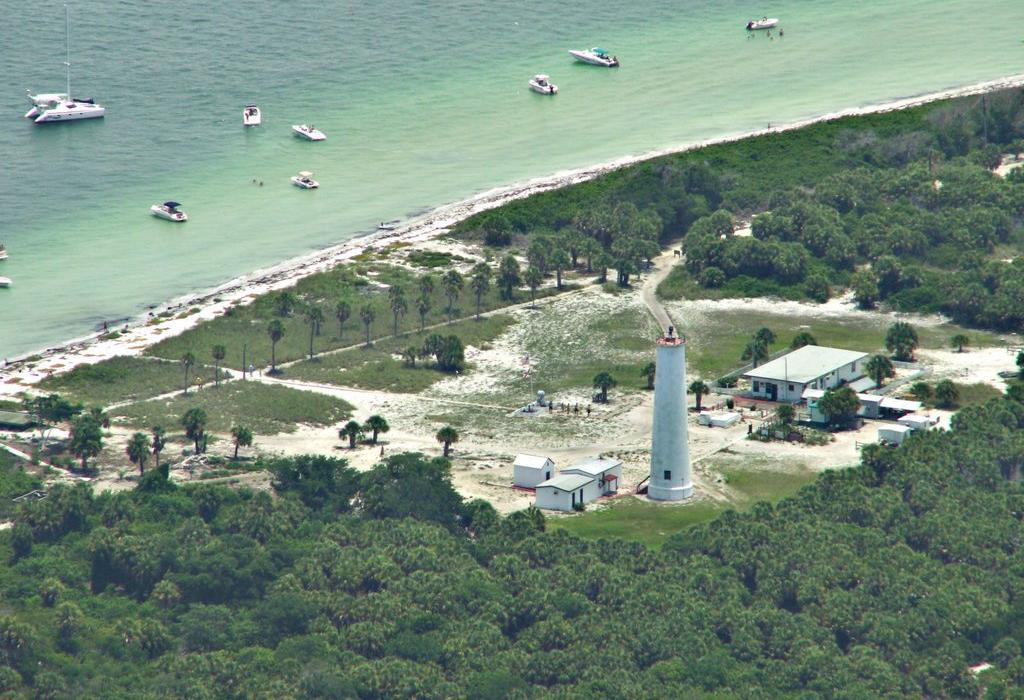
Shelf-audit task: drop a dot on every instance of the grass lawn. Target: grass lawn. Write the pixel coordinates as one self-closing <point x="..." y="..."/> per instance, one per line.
<point x="377" y="367"/>
<point x="651" y="524"/>
<point x="122" y="379"/>
<point x="360" y="285"/>
<point x="715" y="348"/>
<point x="14" y="481"/>
<point x="970" y="395"/>
<point x="263" y="408"/>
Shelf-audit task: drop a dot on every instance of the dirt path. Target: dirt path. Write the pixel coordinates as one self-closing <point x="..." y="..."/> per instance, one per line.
<point x="649" y="289"/>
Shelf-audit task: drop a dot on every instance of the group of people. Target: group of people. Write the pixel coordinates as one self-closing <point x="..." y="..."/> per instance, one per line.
<point x="567" y="409"/>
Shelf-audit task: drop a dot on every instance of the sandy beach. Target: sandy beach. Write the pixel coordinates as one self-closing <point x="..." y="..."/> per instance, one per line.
<point x="20" y="373"/>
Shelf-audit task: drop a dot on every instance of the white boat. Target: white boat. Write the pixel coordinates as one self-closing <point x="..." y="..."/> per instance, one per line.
<point x="251" y="116"/>
<point x="53" y="107"/>
<point x="388" y="225"/>
<point x="308" y="132"/>
<point x="169" y="211"/>
<point x="542" y="84"/>
<point x="305" y="180"/>
<point x="596" y="56"/>
<point x="3" y="252"/>
<point x="763" y="23"/>
<point x="5" y="281"/>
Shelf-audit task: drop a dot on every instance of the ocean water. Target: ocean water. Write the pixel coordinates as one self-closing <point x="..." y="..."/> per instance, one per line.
<point x="424" y="103"/>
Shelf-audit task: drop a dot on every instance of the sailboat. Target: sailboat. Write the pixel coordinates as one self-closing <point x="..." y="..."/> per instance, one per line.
<point x="51" y="108"/>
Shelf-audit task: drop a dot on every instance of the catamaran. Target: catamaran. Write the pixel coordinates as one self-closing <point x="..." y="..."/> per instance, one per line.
<point x="542" y="84"/>
<point x="596" y="56"/>
<point x="169" y="211"/>
<point x="251" y="116"/>
<point x="48" y="108"/>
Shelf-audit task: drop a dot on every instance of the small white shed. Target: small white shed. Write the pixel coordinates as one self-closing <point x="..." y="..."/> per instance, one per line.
<point x="566" y="490"/>
<point x="718" y="420"/>
<point x="917" y="421"/>
<point x="530" y="470"/>
<point x="893" y="434"/>
<point x="607" y="472"/>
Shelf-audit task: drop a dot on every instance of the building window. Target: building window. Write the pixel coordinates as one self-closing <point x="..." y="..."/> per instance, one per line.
<point x="757" y="387"/>
<point x="547" y="475"/>
<point x="791" y="387"/>
<point x="668" y="475"/>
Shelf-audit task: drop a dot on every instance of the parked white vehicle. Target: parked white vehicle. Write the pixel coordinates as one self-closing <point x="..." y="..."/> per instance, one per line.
<point x="169" y="211"/>
<point x="542" y="84"/>
<point x="305" y="180"/>
<point x="308" y="132"/>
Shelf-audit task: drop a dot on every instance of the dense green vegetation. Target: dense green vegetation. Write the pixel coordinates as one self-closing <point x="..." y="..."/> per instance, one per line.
<point x="264" y="408"/>
<point x="123" y="379"/>
<point x="901" y="207"/>
<point x="884" y="580"/>
<point x="14" y="481"/>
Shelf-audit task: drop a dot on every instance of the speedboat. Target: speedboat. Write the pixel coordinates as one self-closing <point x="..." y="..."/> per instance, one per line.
<point x="3" y="252"/>
<point x="5" y="281"/>
<point x="542" y="84"/>
<point x="305" y="180"/>
<point x="388" y="225"/>
<point x="763" y="23"/>
<point x="62" y="107"/>
<point x="169" y="211"/>
<point x="596" y="56"/>
<point x="308" y="132"/>
<point x="251" y="116"/>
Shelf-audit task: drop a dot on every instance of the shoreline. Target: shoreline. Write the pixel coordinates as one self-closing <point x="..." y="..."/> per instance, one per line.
<point x="141" y="332"/>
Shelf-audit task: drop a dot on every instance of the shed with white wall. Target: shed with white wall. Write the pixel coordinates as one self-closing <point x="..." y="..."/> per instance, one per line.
<point x="809" y="367"/>
<point x="893" y="434"/>
<point x="608" y="472"/>
<point x="530" y="470"/>
<point x="565" y="491"/>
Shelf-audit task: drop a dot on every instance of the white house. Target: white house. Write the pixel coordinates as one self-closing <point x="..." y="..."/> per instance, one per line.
<point x="607" y="472"/>
<point x="566" y="490"/>
<point x="809" y="367"/>
<point x="530" y="470"/>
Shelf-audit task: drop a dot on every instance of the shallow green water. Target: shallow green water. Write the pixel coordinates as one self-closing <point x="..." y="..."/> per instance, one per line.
<point x="423" y="104"/>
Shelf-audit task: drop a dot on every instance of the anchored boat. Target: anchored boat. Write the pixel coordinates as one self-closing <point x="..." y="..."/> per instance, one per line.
<point x="169" y="211"/>
<point x="305" y="180"/>
<point x="763" y="23"/>
<point x="251" y="116"/>
<point x="542" y="84"/>
<point x="48" y="108"/>
<point x="308" y="132"/>
<point x="596" y="56"/>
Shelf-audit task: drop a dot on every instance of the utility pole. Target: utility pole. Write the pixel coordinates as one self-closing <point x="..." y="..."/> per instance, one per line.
<point x="244" y="348"/>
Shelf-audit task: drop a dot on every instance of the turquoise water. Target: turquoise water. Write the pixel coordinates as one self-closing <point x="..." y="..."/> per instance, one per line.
<point x="423" y="104"/>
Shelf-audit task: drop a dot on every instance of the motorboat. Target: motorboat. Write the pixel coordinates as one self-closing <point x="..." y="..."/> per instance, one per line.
<point x="169" y="211"/>
<point x="251" y="116"/>
<point x="5" y="282"/>
<point x="305" y="180"/>
<point x="763" y="23"/>
<point x="542" y="84"/>
<point x="388" y="225"/>
<point x="3" y="252"/>
<point x="48" y="108"/>
<point x="596" y="56"/>
<point x="308" y="132"/>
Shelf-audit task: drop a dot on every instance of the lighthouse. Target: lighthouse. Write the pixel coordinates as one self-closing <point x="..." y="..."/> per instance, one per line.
<point x="670" y="452"/>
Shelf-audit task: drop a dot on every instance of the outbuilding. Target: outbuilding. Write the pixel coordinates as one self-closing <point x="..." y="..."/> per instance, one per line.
<point x="723" y="419"/>
<point x="607" y="472"/>
<point x="530" y="470"/>
<point x="917" y="421"/>
<point x="893" y="434"/>
<point x="809" y="367"/>
<point x="566" y="491"/>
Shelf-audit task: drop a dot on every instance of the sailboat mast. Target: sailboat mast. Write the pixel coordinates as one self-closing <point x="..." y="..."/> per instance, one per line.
<point x="67" y="47"/>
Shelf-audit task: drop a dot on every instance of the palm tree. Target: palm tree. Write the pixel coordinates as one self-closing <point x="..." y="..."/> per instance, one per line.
<point x="946" y="393"/>
<point x="901" y="340"/>
<point x="342" y="312"/>
<point x="188" y="361"/>
<point x="242" y="437"/>
<point x="352" y="430"/>
<point x="559" y="260"/>
<point x="447" y="436"/>
<point x="755" y="352"/>
<point x="219" y="353"/>
<point x="426" y="286"/>
<point x="275" y="329"/>
<point x="959" y="341"/>
<point x="452" y="282"/>
<point x="138" y="450"/>
<point x="878" y="368"/>
<point x="649" y="371"/>
<point x="533" y="280"/>
<point x="367" y="314"/>
<point x="699" y="389"/>
<point x="480" y="284"/>
<point x="922" y="391"/>
<point x="603" y="382"/>
<point x="377" y="425"/>
<point x="159" y="442"/>
<point x="801" y="339"/>
<point x="86" y="438"/>
<point x="314" y="317"/>
<point x="285" y="304"/>
<point x="765" y="335"/>
<point x="508" y="276"/>
<point x="423" y="308"/>
<point x="785" y="413"/>
<point x="194" y="423"/>
<point x="409" y="355"/>
<point x="398" y="305"/>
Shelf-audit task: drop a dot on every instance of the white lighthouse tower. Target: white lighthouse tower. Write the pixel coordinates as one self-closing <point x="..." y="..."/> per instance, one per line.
<point x="670" y="452"/>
